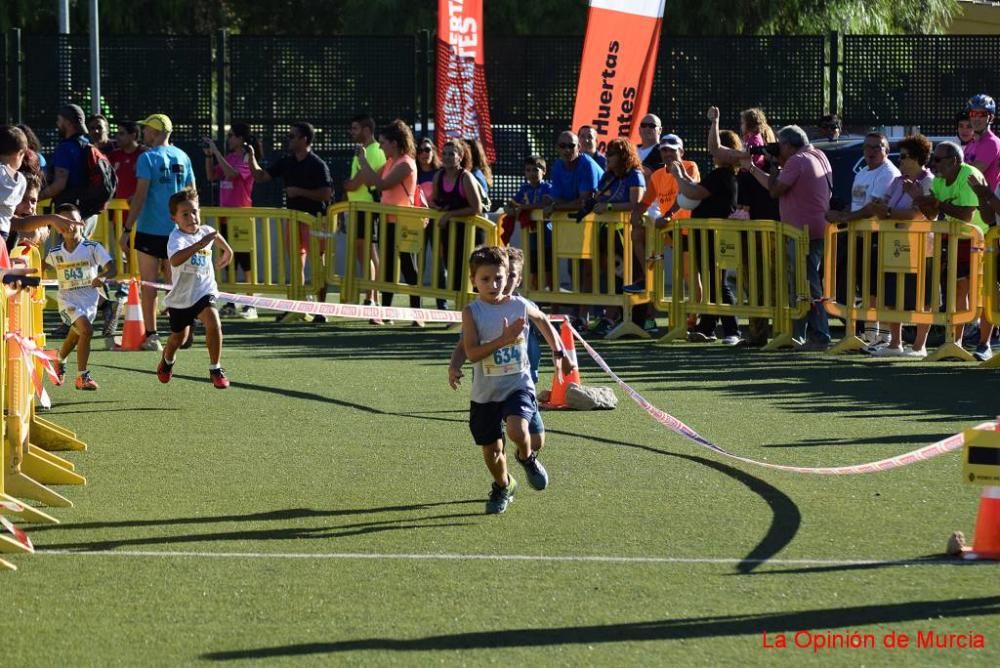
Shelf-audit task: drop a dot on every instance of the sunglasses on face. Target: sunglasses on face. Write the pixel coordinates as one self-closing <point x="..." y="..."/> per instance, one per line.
<point x="648" y="126"/>
<point x="978" y="113"/>
<point x="567" y="146"/>
<point x="939" y="158"/>
<point x="425" y="149"/>
<point x="874" y="147"/>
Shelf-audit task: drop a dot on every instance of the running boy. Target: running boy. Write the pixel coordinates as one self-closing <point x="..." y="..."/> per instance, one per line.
<point x="81" y="268"/>
<point x="495" y="333"/>
<point x="194" y="292"/>
<point x="537" y="476"/>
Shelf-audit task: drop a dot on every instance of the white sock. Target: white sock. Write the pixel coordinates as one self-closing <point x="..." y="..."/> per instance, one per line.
<point x="213" y="367"/>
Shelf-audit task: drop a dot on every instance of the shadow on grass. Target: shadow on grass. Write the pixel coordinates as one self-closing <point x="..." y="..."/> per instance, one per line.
<point x="664" y="629"/>
<point x="269" y="516"/>
<point x="927" y="559"/>
<point x="293" y="533"/>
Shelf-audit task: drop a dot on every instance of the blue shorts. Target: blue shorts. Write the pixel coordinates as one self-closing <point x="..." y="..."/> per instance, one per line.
<point x="486" y="421"/>
<point x="535" y="425"/>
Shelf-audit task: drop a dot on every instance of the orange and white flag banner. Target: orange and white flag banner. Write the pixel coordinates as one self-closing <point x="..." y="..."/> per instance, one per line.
<point x="616" y="71"/>
<point x="462" y="109"/>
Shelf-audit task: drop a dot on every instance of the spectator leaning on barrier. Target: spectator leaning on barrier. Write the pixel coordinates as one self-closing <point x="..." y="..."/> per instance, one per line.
<point x="530" y="196"/>
<point x="620" y="189"/>
<point x="308" y="188"/>
<point x="953" y="196"/>
<point x="802" y="187"/>
<point x="67" y="162"/>
<point x="363" y="134"/>
<point x="235" y="178"/>
<point x="898" y="204"/>
<point x="870" y="184"/>
<point x="124" y="158"/>
<point x="13" y="184"/>
<point x="428" y="165"/>
<point x="588" y="145"/>
<point x="161" y="171"/>
<point x="99" y="131"/>
<point x="397" y="181"/>
<point x="717" y="194"/>
<point x="480" y="165"/>
<point x="574" y="176"/>
<point x="660" y="202"/>
<point x="983" y="152"/>
<point x="455" y="194"/>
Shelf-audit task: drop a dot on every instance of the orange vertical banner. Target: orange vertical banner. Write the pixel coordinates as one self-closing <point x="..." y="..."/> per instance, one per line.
<point x="462" y="109"/>
<point x="617" y="68"/>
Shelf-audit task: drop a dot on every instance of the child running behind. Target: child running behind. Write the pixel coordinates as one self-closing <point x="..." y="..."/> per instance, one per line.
<point x="194" y="291"/>
<point x="495" y="331"/>
<point x="537" y="476"/>
<point x="81" y="268"/>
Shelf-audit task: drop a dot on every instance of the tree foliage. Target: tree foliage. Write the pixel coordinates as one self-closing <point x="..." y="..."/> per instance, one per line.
<point x="325" y="17"/>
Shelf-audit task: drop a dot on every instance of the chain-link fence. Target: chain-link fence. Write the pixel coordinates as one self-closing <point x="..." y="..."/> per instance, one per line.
<point x="204" y="83"/>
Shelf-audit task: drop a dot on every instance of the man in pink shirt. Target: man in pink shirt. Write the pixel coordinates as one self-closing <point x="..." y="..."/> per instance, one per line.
<point x="802" y="188"/>
<point x="983" y="152"/>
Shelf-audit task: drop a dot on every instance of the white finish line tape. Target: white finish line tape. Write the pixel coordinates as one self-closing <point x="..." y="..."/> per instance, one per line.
<point x="669" y="421"/>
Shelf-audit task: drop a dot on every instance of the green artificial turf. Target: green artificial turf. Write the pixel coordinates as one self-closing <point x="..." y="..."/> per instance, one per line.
<point x="339" y="439"/>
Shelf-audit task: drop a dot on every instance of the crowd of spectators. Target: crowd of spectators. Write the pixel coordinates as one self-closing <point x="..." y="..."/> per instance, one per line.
<point x="756" y="173"/>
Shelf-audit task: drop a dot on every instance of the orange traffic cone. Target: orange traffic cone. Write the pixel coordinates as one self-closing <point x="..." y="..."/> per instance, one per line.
<point x="557" y="399"/>
<point x="986" y="540"/>
<point x="134" y="332"/>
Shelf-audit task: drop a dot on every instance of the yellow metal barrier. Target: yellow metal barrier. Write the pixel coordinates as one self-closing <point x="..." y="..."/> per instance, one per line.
<point x="272" y="238"/>
<point x="991" y="298"/>
<point x="413" y="230"/>
<point x="911" y="250"/>
<point x="598" y="254"/>
<point x="756" y="253"/>
<point x="28" y="468"/>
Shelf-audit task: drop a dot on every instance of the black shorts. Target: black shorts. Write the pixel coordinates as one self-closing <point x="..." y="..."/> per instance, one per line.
<point x="151" y="244"/>
<point x="360" y="226"/>
<point x="182" y="318"/>
<point x="486" y="421"/>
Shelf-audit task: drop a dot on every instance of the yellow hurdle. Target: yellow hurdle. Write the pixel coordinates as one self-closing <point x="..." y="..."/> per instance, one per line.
<point x="767" y="258"/>
<point x="589" y="249"/>
<point x="909" y="252"/>
<point x="991" y="298"/>
<point x="414" y="229"/>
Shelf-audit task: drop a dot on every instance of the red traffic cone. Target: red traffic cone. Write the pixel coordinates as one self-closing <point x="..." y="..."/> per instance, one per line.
<point x="134" y="332"/>
<point x="986" y="539"/>
<point x="557" y="399"/>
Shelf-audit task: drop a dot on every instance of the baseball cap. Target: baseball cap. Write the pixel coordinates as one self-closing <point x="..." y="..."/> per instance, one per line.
<point x="73" y="112"/>
<point x="159" y="122"/>
<point x="671" y="141"/>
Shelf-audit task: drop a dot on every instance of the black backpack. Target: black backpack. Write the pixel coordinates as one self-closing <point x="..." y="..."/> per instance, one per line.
<point x="99" y="182"/>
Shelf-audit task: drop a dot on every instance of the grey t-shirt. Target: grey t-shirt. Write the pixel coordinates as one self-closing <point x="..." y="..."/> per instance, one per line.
<point x="507" y="370"/>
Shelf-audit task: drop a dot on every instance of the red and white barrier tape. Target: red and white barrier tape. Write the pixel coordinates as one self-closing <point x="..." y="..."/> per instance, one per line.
<point x="669" y="421"/>
<point x="29" y="352"/>
<point x="19" y="536"/>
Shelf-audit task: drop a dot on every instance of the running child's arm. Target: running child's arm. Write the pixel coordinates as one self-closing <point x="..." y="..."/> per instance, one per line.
<point x="227" y="253"/>
<point x="183" y="255"/>
<point x="475" y="351"/>
<point x="551" y="337"/>
<point x="106" y="271"/>
<point x="455" y="365"/>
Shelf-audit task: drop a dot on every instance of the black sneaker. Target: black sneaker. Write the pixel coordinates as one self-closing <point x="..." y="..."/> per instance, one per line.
<point x="537" y="476"/>
<point x="319" y="318"/>
<point x="636" y="288"/>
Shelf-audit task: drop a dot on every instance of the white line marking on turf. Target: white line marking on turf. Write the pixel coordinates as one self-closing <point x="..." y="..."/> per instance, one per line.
<point x="489" y="557"/>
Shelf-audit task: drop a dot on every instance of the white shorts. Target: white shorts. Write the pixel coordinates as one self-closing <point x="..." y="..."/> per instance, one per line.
<point x="72" y="310"/>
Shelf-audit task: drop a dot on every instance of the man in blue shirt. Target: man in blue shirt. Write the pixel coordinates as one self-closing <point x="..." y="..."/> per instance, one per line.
<point x="160" y="172"/>
<point x="574" y="176"/>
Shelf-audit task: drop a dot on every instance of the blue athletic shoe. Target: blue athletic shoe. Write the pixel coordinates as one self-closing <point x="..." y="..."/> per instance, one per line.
<point x="501" y="497"/>
<point x="537" y="476"/>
